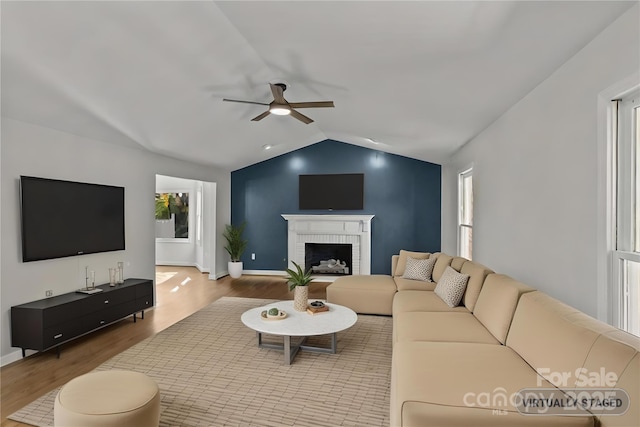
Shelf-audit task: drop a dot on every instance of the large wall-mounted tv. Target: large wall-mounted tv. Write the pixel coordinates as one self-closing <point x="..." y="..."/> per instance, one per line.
<point x="65" y="218"/>
<point x="331" y="192"/>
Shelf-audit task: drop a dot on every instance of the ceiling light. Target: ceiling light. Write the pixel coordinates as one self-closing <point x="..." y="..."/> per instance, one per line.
<point x="280" y="110"/>
<point x="371" y="140"/>
<point x="267" y="147"/>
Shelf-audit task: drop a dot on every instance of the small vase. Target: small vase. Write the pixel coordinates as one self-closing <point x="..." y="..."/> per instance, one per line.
<point x="300" y="298"/>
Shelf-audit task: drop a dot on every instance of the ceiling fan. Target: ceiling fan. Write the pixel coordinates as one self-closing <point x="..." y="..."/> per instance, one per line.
<point x="282" y="107"/>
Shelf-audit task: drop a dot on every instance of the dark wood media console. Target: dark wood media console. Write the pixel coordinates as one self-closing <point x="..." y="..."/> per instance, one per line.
<point x="47" y="323"/>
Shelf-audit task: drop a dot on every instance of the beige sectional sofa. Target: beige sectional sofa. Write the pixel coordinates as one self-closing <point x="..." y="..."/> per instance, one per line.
<point x="465" y="365"/>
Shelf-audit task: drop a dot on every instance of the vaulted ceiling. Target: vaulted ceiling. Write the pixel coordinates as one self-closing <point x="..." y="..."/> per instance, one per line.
<point x="420" y="78"/>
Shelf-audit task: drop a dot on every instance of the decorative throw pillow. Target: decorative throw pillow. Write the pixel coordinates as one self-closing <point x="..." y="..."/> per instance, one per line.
<point x="451" y="286"/>
<point x="419" y="269"/>
<point x="402" y="260"/>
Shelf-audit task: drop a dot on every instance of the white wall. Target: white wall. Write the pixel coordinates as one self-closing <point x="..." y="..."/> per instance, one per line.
<point x="33" y="150"/>
<point x="535" y="204"/>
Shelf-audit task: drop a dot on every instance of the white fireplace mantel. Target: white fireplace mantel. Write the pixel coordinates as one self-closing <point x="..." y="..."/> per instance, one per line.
<point x="351" y="229"/>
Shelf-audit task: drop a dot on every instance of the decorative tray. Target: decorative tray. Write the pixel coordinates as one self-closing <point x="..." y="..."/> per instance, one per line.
<point x="280" y="316"/>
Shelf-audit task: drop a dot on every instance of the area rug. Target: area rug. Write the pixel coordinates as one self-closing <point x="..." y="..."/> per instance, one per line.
<point x="211" y="373"/>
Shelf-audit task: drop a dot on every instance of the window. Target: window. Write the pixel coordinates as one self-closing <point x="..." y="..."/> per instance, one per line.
<point x="625" y="258"/>
<point x="199" y="215"/>
<point x="172" y="215"/>
<point x="465" y="213"/>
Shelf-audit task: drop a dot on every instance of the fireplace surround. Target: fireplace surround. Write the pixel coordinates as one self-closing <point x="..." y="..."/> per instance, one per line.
<point x="331" y="229"/>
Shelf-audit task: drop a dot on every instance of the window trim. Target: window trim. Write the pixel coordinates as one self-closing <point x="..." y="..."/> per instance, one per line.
<point x="605" y="193"/>
<point x="462" y="175"/>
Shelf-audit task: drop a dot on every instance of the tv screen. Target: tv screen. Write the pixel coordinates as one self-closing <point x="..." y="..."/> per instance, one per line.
<point x="64" y="218"/>
<point x="331" y="192"/>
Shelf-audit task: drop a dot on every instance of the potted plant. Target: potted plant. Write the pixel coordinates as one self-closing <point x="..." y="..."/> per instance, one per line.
<point x="235" y="246"/>
<point x="298" y="282"/>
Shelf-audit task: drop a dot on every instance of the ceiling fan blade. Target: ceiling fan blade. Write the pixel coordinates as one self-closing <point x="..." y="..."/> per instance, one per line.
<point x="244" y="102"/>
<point x="278" y="94"/>
<point x="261" y="116"/>
<point x="316" y="104"/>
<point x="301" y="117"/>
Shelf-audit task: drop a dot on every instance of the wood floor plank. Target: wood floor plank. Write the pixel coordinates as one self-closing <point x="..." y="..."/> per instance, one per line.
<point x="184" y="292"/>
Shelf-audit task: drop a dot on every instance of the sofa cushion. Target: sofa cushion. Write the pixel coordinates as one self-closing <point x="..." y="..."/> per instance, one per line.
<point x="440" y="326"/>
<point x="415" y="285"/>
<point x="402" y="260"/>
<point x="443" y="261"/>
<point x="477" y="274"/>
<point x="451" y="286"/>
<point x="549" y="336"/>
<point x="628" y="381"/>
<point x="366" y="294"/>
<point x="457" y="263"/>
<point x="421" y="301"/>
<point x="497" y="302"/>
<point x="618" y="354"/>
<point x="416" y="414"/>
<point x="428" y="376"/>
<point x="419" y="269"/>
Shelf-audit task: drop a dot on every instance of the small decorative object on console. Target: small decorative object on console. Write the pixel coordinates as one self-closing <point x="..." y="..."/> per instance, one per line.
<point x="112" y="276"/>
<point x="120" y="280"/>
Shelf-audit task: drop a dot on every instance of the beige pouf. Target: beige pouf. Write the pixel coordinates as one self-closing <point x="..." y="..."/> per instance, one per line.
<point x="366" y="294"/>
<point x="108" y="398"/>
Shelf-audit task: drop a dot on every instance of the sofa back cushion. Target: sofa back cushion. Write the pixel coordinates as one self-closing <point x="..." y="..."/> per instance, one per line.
<point x="402" y="261"/>
<point x="613" y="361"/>
<point x="629" y="382"/>
<point x="457" y="263"/>
<point x="551" y="336"/>
<point x="442" y="263"/>
<point x="477" y="275"/>
<point x="497" y="302"/>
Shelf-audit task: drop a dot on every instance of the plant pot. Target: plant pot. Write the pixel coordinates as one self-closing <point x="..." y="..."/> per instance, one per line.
<point x="235" y="269"/>
<point x="300" y="298"/>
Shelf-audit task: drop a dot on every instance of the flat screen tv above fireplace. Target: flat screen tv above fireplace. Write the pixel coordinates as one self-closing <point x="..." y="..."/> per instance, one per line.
<point x="338" y="192"/>
<point x="65" y="218"/>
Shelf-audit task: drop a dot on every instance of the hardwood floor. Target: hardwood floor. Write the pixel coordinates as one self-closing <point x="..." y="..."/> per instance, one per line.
<point x="183" y="292"/>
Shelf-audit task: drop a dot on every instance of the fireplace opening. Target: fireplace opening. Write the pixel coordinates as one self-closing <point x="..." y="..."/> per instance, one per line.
<point x="328" y="258"/>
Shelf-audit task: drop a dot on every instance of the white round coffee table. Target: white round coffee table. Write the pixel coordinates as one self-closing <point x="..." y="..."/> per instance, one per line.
<point x="299" y="324"/>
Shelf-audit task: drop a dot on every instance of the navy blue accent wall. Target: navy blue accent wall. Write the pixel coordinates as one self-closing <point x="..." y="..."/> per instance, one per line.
<point x="402" y="193"/>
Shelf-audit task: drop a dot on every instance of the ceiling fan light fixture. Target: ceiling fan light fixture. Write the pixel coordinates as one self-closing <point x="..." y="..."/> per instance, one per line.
<point x="280" y="110"/>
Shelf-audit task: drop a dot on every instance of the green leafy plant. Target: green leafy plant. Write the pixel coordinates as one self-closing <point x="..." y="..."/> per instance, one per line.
<point x="235" y="243"/>
<point x="299" y="277"/>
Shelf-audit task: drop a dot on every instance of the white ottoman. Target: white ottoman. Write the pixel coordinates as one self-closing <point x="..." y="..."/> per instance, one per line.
<point x="108" y="398"/>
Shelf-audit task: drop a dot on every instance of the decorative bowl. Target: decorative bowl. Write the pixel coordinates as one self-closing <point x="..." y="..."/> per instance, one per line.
<point x="266" y="316"/>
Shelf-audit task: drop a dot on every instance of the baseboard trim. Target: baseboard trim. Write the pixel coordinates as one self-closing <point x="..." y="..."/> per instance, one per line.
<point x="200" y="268"/>
<point x="264" y="272"/>
<point x="318" y="278"/>
<point x="11" y="357"/>
<point x="176" y="263"/>
<point x="218" y="275"/>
